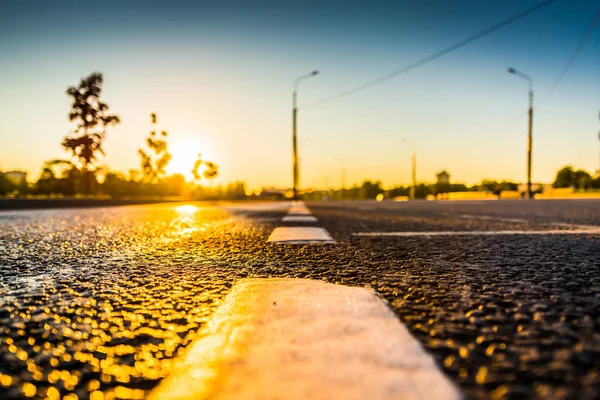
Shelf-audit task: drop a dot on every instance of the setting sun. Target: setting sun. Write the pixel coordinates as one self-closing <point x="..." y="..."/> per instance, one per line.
<point x="185" y="148"/>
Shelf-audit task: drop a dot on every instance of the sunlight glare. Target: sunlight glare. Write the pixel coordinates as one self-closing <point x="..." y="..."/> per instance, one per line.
<point x="185" y="148"/>
<point x="186" y="209"/>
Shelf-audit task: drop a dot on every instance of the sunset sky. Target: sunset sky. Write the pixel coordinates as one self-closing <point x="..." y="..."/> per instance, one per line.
<point x="219" y="75"/>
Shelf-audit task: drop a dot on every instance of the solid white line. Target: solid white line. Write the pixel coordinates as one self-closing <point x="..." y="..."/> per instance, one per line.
<point x="299" y="235"/>
<point x="491" y="217"/>
<point x="301" y="339"/>
<point x="299" y="218"/>
<point x="482" y="233"/>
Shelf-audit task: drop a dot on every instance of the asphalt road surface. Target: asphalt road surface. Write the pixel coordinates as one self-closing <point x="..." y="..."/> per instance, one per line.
<point x="97" y="302"/>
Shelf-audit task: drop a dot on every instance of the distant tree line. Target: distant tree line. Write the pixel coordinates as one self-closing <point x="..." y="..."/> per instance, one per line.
<point x="565" y="178"/>
<point x="371" y="189"/>
<point x="579" y="180"/>
<point x="8" y="185"/>
<point x="79" y="176"/>
<point x="82" y="176"/>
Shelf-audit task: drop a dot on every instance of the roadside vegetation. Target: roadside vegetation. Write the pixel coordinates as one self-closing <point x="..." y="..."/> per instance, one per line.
<point x="81" y="174"/>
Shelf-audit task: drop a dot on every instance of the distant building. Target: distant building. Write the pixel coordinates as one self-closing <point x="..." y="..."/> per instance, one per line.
<point x="442" y="185"/>
<point x="272" y="193"/>
<point x="443" y="178"/>
<point x="16" y="177"/>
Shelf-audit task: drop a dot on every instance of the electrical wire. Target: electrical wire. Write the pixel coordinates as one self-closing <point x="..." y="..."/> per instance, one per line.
<point x="436" y="55"/>
<point x="572" y="59"/>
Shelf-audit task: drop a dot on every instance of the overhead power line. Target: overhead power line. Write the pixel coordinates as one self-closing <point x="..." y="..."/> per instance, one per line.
<point x="565" y="69"/>
<point x="573" y="57"/>
<point x="438" y="54"/>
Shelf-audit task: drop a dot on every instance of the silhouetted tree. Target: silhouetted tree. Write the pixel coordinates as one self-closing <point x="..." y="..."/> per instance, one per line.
<point x="92" y="118"/>
<point x="565" y="177"/>
<point x="47" y="183"/>
<point x="398" y="191"/>
<point x="211" y="171"/>
<point x="583" y="179"/>
<point x="196" y="169"/>
<point x="370" y="190"/>
<point x="62" y="177"/>
<point x="568" y="177"/>
<point x="9" y="186"/>
<point x="154" y="165"/>
<point x="235" y="191"/>
<point x="422" y="191"/>
<point x="173" y="185"/>
<point x="4" y="184"/>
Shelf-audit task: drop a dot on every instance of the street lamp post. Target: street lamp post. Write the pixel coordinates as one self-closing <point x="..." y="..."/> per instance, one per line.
<point x="530" y="135"/>
<point x="413" y="187"/>
<point x="295" y="130"/>
<point x="343" y="162"/>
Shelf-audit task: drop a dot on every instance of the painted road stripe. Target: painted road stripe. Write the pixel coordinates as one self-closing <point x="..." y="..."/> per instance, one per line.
<point x="299" y="235"/>
<point x="299" y="210"/>
<point x="483" y="233"/>
<point x="491" y="218"/>
<point x="302" y="339"/>
<point x="299" y="218"/>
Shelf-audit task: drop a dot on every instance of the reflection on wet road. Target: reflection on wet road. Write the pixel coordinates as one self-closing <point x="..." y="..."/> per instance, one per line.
<point x="97" y="302"/>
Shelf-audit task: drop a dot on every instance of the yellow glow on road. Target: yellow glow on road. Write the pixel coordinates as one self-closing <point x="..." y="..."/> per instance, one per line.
<point x="186" y="209"/>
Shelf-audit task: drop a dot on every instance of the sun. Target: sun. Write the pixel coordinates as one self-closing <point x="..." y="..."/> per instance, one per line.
<point x="184" y="149"/>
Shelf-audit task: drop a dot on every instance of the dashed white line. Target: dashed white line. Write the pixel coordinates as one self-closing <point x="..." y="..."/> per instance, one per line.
<point x="299" y="218"/>
<point x="492" y="218"/>
<point x="299" y="235"/>
<point x="301" y="339"/>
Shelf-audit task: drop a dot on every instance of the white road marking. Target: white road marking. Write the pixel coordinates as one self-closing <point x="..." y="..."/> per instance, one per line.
<point x="491" y="217"/>
<point x="299" y="235"/>
<point x="522" y="220"/>
<point x="299" y="218"/>
<point x="301" y="339"/>
<point x="483" y="233"/>
<point x="299" y="210"/>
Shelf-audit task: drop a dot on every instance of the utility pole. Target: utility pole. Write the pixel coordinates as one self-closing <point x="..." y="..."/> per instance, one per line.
<point x="343" y="162"/>
<point x="295" y="143"/>
<point x="530" y="128"/>
<point x="413" y="188"/>
<point x="295" y="161"/>
<point x="530" y="144"/>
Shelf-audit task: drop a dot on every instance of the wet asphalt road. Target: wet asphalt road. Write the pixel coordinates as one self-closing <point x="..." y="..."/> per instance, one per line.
<point x="96" y="303"/>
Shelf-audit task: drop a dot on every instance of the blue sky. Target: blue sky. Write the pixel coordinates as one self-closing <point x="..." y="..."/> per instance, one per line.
<point x="219" y="75"/>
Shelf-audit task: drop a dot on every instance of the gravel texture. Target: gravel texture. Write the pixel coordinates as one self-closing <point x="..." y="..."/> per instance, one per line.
<point x="96" y="303"/>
